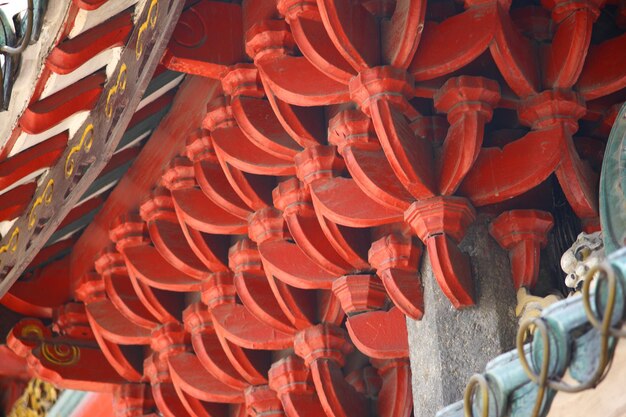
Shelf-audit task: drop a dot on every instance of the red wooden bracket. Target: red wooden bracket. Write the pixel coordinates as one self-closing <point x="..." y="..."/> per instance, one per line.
<point x="523" y="233"/>
<point x="396" y="258"/>
<point x="290" y="378"/>
<point x="65" y="362"/>
<point x="194" y="50"/>
<point x="262" y="401"/>
<point x="323" y="348"/>
<point x="441" y="223"/>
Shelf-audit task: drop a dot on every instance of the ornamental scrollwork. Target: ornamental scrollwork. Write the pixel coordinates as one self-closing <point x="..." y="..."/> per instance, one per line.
<point x="120" y="85"/>
<point x="11" y="245"/>
<point x="44" y="198"/>
<point x="62" y="355"/>
<point x="32" y="330"/>
<point x="86" y="140"/>
<point x="151" y="19"/>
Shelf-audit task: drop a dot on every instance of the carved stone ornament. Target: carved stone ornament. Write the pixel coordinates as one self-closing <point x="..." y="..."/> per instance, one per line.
<point x="586" y="252"/>
<point x="530" y="306"/>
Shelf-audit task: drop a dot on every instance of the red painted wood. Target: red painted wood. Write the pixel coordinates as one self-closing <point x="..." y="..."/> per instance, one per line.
<point x="239" y="326"/>
<point x="441" y="223"/>
<point x="323" y="348"/>
<point x="254" y="115"/>
<point x="192" y="205"/>
<point x="44" y="114"/>
<point x="81" y="210"/>
<point x="133" y="400"/>
<point x="253" y="288"/>
<point x="598" y="80"/>
<point x="210" y="177"/>
<point x="523" y="233"/>
<point x="13" y="366"/>
<point x="14" y="202"/>
<point x="283" y="259"/>
<point x="96" y="405"/>
<point x="468" y="103"/>
<point x="292" y="197"/>
<point x="119" y="289"/>
<point x="290" y="379"/>
<point x="72" y="53"/>
<point x="269" y="43"/>
<point x="252" y="365"/>
<point x="40" y="156"/>
<point x="195" y="50"/>
<point x="53" y="251"/>
<point x="395" y="397"/>
<point x="261" y="401"/>
<point x="354" y="135"/>
<point x="104" y="316"/>
<point x="168" y="238"/>
<point x="331" y="152"/>
<point x="315" y="44"/>
<point x="396" y="258"/>
<point x="380" y="334"/>
<point x="27" y="298"/>
<point x="359" y="293"/>
<point x="206" y="346"/>
<point x="183" y="118"/>
<point x="186" y="370"/>
<point x="65" y="363"/>
<point x="233" y="147"/>
<point x="129" y="233"/>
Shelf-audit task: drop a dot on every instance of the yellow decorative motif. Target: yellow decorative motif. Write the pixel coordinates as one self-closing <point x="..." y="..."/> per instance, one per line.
<point x="37" y="399"/>
<point x="32" y="329"/>
<point x="46" y="198"/>
<point x="530" y="306"/>
<point x="151" y="19"/>
<point x="12" y="243"/>
<point x="62" y="355"/>
<point x="120" y="85"/>
<point x="84" y="142"/>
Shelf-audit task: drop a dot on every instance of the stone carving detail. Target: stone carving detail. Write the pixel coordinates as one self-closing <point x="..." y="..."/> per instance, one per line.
<point x="584" y="254"/>
<point x="530" y="306"/>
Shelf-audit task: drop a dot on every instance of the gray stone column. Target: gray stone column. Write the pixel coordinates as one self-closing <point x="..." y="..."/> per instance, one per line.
<point x="447" y="346"/>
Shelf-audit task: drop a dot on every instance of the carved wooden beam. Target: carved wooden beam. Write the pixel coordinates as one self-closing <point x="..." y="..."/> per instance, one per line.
<point x="93" y="144"/>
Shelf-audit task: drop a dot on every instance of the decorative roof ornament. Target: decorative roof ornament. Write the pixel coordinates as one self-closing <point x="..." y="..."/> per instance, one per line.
<point x="586" y="253"/>
<point x="530" y="306"/>
<point x="15" y="36"/>
<point x="37" y="399"/>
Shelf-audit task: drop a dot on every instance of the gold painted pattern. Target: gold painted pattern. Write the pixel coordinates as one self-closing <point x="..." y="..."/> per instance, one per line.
<point x="151" y="19"/>
<point x="37" y="399"/>
<point x="32" y="329"/>
<point x="120" y="85"/>
<point x="62" y="355"/>
<point x="86" y="143"/>
<point x="12" y="243"/>
<point x="45" y="198"/>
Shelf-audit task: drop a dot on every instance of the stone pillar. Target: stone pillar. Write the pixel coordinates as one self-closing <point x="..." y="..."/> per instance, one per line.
<point x="447" y="346"/>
